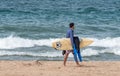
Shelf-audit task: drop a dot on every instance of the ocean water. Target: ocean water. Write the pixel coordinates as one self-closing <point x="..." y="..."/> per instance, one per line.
<point x="28" y="27"/>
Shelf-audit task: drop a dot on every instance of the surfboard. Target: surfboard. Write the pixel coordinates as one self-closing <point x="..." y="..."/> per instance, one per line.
<point x="65" y="43"/>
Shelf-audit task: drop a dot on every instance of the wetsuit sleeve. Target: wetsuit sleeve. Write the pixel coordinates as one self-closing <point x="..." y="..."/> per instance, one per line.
<point x="71" y="38"/>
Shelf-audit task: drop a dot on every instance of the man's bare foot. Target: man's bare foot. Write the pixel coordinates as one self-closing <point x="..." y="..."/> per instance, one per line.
<point x="78" y="65"/>
<point x="64" y="64"/>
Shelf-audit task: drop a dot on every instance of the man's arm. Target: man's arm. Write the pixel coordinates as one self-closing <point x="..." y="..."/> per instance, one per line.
<point x="71" y="38"/>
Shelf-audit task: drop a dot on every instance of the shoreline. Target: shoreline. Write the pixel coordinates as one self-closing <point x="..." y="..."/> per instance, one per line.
<point x="56" y="68"/>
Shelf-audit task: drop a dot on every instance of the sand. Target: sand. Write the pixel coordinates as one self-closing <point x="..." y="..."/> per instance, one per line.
<point x="56" y="68"/>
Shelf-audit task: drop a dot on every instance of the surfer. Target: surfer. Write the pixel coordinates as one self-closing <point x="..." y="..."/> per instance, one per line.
<point x="70" y="34"/>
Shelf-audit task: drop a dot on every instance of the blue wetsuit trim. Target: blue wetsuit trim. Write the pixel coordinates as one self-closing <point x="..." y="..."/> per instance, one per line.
<point x="77" y="52"/>
<point x="79" y="56"/>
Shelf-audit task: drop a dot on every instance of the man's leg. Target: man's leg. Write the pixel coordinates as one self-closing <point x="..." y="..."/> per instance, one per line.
<point x="76" y="60"/>
<point x="79" y="56"/>
<point x="65" y="58"/>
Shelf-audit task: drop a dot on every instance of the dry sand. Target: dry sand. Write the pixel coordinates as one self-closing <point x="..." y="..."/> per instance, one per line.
<point x="56" y="68"/>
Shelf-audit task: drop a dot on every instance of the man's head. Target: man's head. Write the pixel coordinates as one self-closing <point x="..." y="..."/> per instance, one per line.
<point x="71" y="25"/>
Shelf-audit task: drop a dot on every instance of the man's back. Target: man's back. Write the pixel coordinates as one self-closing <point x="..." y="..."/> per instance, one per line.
<point x="70" y="34"/>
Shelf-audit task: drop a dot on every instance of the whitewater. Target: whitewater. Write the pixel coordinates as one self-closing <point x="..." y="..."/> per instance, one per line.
<point x="8" y="46"/>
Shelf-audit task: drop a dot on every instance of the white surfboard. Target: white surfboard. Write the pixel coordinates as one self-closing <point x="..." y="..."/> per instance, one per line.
<point x="65" y="43"/>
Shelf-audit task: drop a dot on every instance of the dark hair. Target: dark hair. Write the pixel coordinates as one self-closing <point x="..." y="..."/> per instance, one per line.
<point x="71" y="25"/>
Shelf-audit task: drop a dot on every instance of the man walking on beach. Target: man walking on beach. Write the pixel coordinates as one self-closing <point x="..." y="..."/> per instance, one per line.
<point x="70" y="34"/>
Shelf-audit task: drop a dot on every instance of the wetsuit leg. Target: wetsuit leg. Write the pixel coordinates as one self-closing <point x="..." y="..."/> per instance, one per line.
<point x="79" y="55"/>
<point x="77" y="43"/>
<point x="75" y="54"/>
